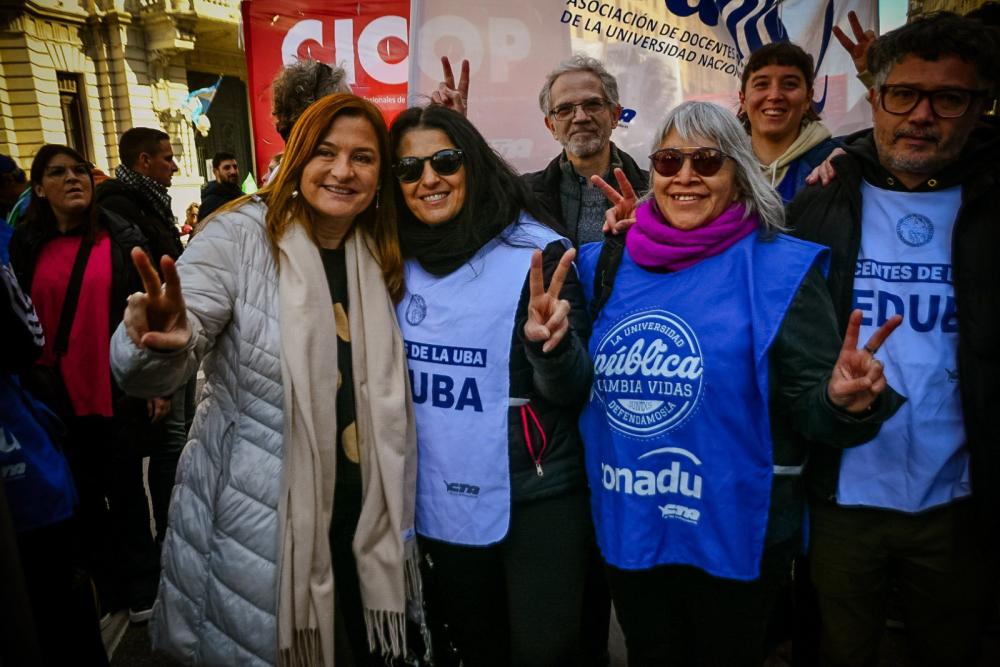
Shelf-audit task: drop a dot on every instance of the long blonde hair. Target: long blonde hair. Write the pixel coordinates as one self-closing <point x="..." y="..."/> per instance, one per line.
<point x="285" y="207"/>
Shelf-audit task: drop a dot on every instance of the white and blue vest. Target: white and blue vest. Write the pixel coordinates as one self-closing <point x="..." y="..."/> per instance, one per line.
<point x="677" y="432"/>
<point x="458" y="330"/>
<point x="918" y="460"/>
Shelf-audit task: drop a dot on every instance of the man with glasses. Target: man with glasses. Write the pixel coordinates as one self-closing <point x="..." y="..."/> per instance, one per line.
<point x="580" y="101"/>
<point x="912" y="221"/>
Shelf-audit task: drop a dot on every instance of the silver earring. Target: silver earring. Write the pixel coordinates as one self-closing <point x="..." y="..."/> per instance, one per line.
<point x="295" y="193"/>
<point x="377" y="192"/>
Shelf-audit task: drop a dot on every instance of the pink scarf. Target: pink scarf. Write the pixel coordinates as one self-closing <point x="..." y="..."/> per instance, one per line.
<point x="655" y="244"/>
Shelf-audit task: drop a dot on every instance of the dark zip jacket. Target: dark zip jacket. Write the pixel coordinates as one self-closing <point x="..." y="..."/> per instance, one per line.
<point x="544" y="184"/>
<point x="162" y="235"/>
<point x="557" y="384"/>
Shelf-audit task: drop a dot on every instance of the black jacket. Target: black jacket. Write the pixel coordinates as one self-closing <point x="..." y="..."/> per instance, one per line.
<point x="162" y="235"/>
<point x="544" y="184"/>
<point x="557" y="385"/>
<point x="832" y="216"/>
<point x="214" y="195"/>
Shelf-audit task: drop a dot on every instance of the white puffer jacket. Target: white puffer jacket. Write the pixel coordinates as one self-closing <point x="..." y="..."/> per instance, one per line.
<point x="217" y="600"/>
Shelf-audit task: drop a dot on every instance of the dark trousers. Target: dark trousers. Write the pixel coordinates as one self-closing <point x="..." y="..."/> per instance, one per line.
<point x="680" y="615"/>
<point x="518" y="602"/>
<point x="171" y="436"/>
<point x="115" y="541"/>
<point x="596" y="610"/>
<point x="62" y="598"/>
<point x="945" y="579"/>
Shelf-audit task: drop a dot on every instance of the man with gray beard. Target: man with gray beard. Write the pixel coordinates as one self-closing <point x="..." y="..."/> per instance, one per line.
<point x="580" y="101"/>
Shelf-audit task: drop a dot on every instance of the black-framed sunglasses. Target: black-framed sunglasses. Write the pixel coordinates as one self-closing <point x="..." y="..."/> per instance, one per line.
<point x="445" y="162"/>
<point x="705" y="161"/>
<point x="59" y="171"/>
<point x="591" y="107"/>
<point x="945" y="102"/>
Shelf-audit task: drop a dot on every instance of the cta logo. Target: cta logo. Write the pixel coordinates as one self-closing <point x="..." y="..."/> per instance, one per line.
<point x="648" y="373"/>
<point x="461" y="489"/>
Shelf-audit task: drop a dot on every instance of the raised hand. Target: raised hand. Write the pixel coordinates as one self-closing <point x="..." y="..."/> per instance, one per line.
<point x="548" y="315"/>
<point x="824" y="172"/>
<point x="857" y="49"/>
<point x="157" y="318"/>
<point x="621" y="215"/>
<point x="857" y="378"/>
<point x="447" y="94"/>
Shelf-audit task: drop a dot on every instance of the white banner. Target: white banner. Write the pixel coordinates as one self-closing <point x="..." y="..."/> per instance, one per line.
<point x="662" y="52"/>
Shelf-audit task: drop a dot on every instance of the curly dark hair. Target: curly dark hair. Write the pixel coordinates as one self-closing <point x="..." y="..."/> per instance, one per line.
<point x="932" y="37"/>
<point x="299" y="85"/>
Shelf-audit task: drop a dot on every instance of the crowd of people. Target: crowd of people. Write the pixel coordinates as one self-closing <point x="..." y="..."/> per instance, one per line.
<point x="452" y="414"/>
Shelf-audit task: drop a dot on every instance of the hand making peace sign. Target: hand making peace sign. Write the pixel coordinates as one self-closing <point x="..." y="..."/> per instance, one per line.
<point x="621" y="215"/>
<point x="857" y="49"/>
<point x="447" y="94"/>
<point x="857" y="377"/>
<point x="157" y="318"/>
<point x="548" y="315"/>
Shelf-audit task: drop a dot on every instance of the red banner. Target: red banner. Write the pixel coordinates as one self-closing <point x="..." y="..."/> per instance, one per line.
<point x="368" y="39"/>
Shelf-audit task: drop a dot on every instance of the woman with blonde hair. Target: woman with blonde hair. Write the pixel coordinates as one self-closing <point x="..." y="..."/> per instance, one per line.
<point x="295" y="492"/>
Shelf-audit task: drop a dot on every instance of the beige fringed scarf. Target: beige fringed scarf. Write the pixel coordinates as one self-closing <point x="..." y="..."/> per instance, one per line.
<point x="383" y="545"/>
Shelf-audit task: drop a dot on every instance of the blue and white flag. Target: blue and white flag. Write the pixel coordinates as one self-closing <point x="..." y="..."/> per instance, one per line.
<point x="197" y="103"/>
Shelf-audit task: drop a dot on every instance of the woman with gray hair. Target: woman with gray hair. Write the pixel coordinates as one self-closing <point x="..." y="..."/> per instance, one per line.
<point x="716" y="361"/>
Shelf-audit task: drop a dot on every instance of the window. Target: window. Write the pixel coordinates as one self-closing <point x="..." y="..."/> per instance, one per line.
<point x="73" y="117"/>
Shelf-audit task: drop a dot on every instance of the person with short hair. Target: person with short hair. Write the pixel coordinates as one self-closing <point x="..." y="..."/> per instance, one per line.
<point x="579" y="100"/>
<point x="911" y="222"/>
<point x="776" y="108"/>
<point x="226" y="186"/>
<point x="139" y="194"/>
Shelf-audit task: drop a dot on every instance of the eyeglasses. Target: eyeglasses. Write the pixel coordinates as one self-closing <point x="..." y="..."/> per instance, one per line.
<point x="445" y="162"/>
<point x="705" y="161"/>
<point x="945" y="102"/>
<point x="590" y="107"/>
<point x="60" y="171"/>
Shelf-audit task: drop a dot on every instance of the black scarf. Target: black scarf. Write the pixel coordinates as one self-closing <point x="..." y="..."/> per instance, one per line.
<point x="442" y="249"/>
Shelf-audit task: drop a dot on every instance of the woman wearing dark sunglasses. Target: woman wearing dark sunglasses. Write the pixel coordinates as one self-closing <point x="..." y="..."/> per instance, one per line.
<point x="72" y="258"/>
<point x="498" y="373"/>
<point x="715" y="358"/>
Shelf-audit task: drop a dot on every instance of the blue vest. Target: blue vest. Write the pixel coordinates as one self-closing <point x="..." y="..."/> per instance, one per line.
<point x="35" y="474"/>
<point x="677" y="432"/>
<point x="458" y="330"/>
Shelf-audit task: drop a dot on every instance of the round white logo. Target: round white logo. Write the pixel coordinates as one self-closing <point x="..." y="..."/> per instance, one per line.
<point x="648" y="373"/>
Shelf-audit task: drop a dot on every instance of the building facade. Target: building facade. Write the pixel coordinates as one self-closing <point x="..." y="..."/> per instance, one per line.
<point x="82" y="72"/>
<point x="917" y="7"/>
